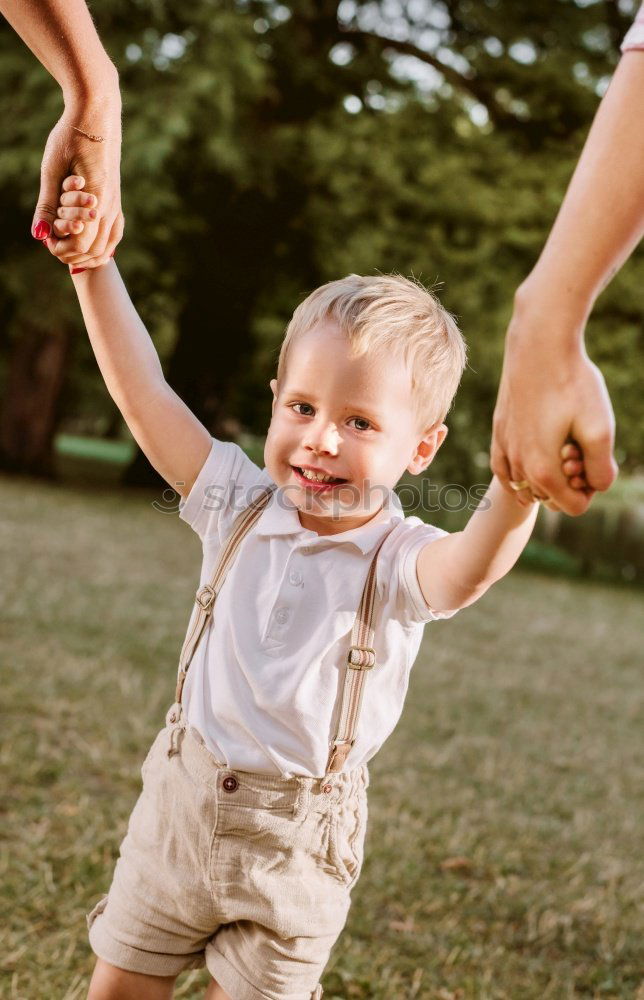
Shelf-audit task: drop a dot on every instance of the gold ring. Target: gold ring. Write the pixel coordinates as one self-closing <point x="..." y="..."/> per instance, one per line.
<point x="523" y="485"/>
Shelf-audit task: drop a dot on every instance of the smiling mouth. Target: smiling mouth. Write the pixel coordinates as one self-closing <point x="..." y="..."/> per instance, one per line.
<point x="335" y="481"/>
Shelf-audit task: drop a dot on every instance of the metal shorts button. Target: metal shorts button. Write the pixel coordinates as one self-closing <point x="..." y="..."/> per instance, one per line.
<point x="230" y="783"/>
<point x="327" y="788"/>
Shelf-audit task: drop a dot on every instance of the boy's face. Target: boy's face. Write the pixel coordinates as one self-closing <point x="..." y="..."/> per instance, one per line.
<point x="351" y="418"/>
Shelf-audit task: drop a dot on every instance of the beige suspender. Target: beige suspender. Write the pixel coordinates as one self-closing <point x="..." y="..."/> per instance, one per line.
<point x="206" y="595"/>
<point x="361" y="657"/>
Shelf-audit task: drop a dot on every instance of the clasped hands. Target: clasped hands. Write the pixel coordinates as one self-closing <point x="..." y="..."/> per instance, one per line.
<point x="81" y="230"/>
<point x="541" y="401"/>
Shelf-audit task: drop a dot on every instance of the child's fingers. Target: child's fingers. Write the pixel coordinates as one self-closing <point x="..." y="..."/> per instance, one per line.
<point x="572" y="467"/>
<point x="571" y="450"/>
<point x="78" y="199"/>
<point x="68" y="227"/>
<point x="73" y="183"/>
<point x="113" y="240"/>
<point x="76" y="213"/>
<point x="60" y="248"/>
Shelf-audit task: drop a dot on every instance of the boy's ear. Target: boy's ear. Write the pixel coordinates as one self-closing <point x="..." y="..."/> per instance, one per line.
<point x="273" y="386"/>
<point x="427" y="448"/>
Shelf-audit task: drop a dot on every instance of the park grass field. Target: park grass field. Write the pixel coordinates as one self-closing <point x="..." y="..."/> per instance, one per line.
<point x="504" y="851"/>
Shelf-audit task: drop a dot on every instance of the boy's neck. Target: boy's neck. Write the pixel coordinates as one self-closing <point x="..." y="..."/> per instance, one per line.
<point x="334" y="526"/>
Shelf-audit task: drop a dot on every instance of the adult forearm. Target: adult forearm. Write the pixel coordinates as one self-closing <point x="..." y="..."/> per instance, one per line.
<point x="125" y="353"/>
<point x="61" y="34"/>
<point x="601" y="218"/>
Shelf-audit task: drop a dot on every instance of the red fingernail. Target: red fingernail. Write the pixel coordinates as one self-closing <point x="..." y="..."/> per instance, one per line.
<point x="41" y="230"/>
<point x="77" y="270"/>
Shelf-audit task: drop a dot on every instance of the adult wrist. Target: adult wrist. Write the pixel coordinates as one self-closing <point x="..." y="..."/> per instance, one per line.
<point x="99" y="92"/>
<point x="549" y="315"/>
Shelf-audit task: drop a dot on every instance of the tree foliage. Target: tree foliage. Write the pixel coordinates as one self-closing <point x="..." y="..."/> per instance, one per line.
<point x="269" y="147"/>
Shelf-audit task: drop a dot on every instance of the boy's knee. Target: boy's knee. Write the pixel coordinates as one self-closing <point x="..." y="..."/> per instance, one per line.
<point x="111" y="983"/>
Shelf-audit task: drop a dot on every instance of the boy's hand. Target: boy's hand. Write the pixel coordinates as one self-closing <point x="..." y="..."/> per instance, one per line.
<point x="573" y="468"/>
<point x="75" y="208"/>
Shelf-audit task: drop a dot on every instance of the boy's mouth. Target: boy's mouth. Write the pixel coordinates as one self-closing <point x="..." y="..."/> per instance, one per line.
<point x="315" y="480"/>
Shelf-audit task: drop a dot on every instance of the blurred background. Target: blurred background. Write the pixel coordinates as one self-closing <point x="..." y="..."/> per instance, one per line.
<point x="270" y="147"/>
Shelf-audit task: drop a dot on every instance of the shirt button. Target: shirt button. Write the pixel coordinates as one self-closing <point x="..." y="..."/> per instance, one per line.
<point x="230" y="783"/>
<point x="295" y="577"/>
<point x="281" y="616"/>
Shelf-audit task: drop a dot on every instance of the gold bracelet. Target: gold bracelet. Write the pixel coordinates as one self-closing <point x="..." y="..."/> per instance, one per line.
<point x="94" y="138"/>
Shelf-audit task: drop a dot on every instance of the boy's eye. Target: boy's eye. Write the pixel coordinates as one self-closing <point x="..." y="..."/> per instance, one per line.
<point x="359" y="420"/>
<point x="301" y="404"/>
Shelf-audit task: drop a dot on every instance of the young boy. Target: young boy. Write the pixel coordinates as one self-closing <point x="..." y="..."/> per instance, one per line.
<point x="247" y="839"/>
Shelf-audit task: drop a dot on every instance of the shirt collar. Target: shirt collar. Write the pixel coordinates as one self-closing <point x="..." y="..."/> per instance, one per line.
<point x="280" y="517"/>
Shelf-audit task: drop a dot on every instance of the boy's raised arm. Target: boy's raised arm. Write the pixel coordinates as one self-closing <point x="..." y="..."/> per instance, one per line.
<point x="175" y="442"/>
<point x="457" y="569"/>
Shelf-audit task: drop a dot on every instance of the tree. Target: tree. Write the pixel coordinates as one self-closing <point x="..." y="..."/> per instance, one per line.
<point x="269" y="147"/>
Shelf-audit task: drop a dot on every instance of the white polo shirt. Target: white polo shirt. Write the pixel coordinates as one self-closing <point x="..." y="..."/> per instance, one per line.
<point x="634" y="38"/>
<point x="264" y="684"/>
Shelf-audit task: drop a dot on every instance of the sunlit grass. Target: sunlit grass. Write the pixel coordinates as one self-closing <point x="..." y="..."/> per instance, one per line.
<point x="504" y="845"/>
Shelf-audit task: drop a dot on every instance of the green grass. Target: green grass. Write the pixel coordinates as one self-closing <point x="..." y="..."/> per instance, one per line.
<point x="101" y="449"/>
<point x="519" y="753"/>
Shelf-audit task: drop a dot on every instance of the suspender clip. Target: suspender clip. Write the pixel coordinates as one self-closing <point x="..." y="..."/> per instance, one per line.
<point x="361" y="657"/>
<point x="339" y="753"/>
<point x="205" y="597"/>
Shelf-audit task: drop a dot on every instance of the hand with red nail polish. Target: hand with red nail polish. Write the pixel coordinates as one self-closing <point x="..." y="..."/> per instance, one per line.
<point x="41" y="230"/>
<point x="97" y="111"/>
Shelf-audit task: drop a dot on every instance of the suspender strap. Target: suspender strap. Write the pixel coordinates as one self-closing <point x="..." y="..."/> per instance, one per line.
<point x="362" y="657"/>
<point x="206" y="595"/>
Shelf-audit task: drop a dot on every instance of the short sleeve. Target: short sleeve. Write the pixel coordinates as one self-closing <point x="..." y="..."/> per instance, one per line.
<point x="634" y="38"/>
<point x="415" y="609"/>
<point x="227" y="483"/>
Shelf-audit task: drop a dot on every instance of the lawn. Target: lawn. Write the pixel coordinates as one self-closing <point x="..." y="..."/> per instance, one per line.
<point x="504" y="850"/>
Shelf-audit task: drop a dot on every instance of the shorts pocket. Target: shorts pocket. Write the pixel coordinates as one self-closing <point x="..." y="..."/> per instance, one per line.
<point x="151" y="752"/>
<point x="346" y="841"/>
<point x="92" y="915"/>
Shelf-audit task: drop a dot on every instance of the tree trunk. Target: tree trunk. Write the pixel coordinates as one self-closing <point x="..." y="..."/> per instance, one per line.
<point x="29" y="414"/>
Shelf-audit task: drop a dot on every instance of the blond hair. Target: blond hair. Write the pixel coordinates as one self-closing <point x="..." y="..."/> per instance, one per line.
<point x="388" y="314"/>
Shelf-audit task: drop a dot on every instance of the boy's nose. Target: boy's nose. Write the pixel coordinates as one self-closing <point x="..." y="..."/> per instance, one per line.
<point x="323" y="438"/>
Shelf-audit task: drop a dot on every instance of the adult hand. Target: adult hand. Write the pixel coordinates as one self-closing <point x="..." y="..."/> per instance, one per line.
<point x="69" y="152"/>
<point x="549" y="395"/>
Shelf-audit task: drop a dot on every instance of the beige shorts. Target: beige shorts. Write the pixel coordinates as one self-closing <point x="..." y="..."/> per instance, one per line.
<point x="247" y="874"/>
